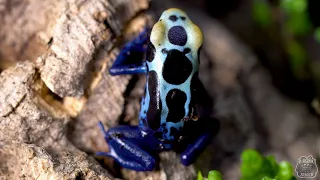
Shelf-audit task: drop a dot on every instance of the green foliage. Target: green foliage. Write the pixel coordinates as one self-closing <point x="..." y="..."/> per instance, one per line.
<point x="297" y="18"/>
<point x="200" y="177"/>
<point x="294" y="22"/>
<point x="298" y="24"/>
<point x="255" y="166"/>
<point x="261" y="12"/>
<point x="212" y="175"/>
<point x="317" y="34"/>
<point x="298" y="59"/>
<point x="294" y="6"/>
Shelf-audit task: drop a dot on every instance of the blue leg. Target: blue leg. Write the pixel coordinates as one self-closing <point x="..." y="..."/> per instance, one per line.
<point x="130" y="59"/>
<point x="126" y="147"/>
<point x="193" y="150"/>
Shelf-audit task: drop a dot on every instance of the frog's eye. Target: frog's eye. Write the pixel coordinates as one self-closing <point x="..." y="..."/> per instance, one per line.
<point x="173" y="18"/>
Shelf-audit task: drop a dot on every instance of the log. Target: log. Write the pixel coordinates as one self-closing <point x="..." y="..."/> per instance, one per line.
<point x="78" y="41"/>
<point x="33" y="141"/>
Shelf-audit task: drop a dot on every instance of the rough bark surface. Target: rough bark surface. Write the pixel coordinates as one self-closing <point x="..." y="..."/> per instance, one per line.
<point x="33" y="142"/>
<point x="34" y="121"/>
<point x="28" y="161"/>
<point x="82" y="29"/>
<point x="24" y="26"/>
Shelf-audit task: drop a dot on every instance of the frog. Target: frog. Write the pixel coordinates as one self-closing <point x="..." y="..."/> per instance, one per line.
<point x="172" y="115"/>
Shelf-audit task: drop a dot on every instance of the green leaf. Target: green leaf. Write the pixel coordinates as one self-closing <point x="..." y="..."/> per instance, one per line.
<point x="317" y="34"/>
<point x="269" y="167"/>
<point x="199" y="176"/>
<point x="294" y="6"/>
<point x="268" y="178"/>
<point x="261" y="12"/>
<point x="254" y="166"/>
<point x="251" y="163"/>
<point x="285" y="171"/>
<point x="214" y="175"/>
<point x="298" y="59"/>
<point x="298" y="24"/>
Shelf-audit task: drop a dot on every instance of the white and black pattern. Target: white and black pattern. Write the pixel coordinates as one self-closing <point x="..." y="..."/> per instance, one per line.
<point x="173" y="63"/>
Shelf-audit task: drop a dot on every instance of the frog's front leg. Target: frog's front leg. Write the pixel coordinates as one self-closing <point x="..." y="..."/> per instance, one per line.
<point x="126" y="147"/>
<point x="193" y="150"/>
<point x="131" y="56"/>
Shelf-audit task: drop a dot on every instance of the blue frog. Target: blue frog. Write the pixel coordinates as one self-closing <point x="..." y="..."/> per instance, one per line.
<point x="171" y="107"/>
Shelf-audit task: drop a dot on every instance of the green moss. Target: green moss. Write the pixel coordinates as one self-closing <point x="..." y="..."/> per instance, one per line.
<point x="261" y="13"/>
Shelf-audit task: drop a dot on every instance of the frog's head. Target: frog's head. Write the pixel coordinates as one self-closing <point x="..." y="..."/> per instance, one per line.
<point x="175" y="43"/>
<point x="175" y="30"/>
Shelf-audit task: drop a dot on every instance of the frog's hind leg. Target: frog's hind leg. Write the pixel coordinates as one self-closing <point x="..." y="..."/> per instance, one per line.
<point x="130" y="59"/>
<point x="193" y="150"/>
<point x="125" y="147"/>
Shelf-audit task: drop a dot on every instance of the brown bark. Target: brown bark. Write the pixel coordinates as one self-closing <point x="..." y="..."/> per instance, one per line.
<point x="34" y="121"/>
<point x="33" y="132"/>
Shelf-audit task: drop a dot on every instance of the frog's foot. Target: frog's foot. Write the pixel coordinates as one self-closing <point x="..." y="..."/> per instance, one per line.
<point x="189" y="155"/>
<point x="124" y="149"/>
<point x="131" y="56"/>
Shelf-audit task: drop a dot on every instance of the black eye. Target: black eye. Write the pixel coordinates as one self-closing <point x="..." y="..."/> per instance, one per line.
<point x="173" y="18"/>
<point x="182" y="18"/>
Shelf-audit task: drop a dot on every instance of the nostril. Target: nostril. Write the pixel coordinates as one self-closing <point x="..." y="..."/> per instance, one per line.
<point x="177" y="35"/>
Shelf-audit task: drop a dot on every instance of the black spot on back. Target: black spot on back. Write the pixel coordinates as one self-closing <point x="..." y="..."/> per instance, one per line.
<point x="155" y="105"/>
<point x="177" y="67"/>
<point x="177" y="35"/>
<point x="176" y="100"/>
<point x="150" y="52"/>
<point x="173" y="18"/>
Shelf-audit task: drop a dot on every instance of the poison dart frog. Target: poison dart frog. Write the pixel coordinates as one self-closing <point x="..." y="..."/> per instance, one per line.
<point x="171" y="115"/>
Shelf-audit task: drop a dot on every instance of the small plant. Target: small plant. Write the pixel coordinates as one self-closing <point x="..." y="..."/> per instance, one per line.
<point x="255" y="166"/>
<point x="212" y="175"/>
<point x="262" y="13"/>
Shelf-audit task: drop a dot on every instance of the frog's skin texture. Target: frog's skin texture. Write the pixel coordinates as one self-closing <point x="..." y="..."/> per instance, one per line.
<point x="171" y="108"/>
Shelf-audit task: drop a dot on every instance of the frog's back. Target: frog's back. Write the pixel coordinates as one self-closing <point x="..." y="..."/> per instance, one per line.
<point x="170" y="99"/>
